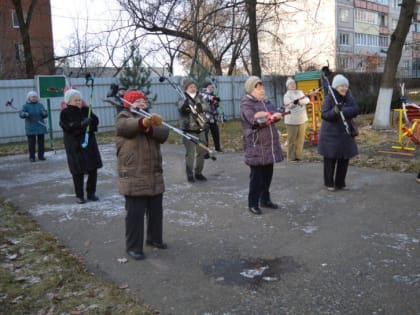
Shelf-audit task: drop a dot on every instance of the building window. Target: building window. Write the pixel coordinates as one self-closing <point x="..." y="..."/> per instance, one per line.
<point x="416" y="27"/>
<point x="383" y="2"/>
<point x="343" y="39"/>
<point x="366" y="40"/>
<point x="344" y="62"/>
<point x="365" y="16"/>
<point x="396" y="4"/>
<point x="15" y="23"/>
<point x="405" y="65"/>
<point x="20" y="56"/>
<point x="344" y="15"/>
<point x="383" y="20"/>
<point x="383" y="41"/>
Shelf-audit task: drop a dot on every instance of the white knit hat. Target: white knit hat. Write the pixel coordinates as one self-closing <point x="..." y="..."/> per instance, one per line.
<point x="251" y="83"/>
<point x="70" y="94"/>
<point x="288" y="81"/>
<point x="338" y="80"/>
<point x="31" y="93"/>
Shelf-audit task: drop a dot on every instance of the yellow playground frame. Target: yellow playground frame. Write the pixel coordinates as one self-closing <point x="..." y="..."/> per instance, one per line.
<point x="408" y="135"/>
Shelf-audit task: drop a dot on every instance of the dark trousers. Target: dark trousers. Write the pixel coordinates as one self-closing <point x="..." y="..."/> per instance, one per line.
<point x="32" y="140"/>
<point x="78" y="180"/>
<point x="136" y="208"/>
<point x="335" y="171"/>
<point x="214" y="129"/>
<point x="259" y="184"/>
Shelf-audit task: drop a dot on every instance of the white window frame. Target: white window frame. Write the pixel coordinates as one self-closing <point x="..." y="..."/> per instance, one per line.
<point x="344" y="39"/>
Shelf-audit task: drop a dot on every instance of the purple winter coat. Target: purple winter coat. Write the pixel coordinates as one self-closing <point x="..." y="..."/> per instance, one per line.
<point x="261" y="145"/>
<point x="334" y="142"/>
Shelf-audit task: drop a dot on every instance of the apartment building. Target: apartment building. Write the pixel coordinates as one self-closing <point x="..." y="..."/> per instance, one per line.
<point x="349" y="35"/>
<point x="12" y="59"/>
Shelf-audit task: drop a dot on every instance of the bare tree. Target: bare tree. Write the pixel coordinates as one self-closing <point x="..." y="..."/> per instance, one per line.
<point x="212" y="31"/>
<point x="251" y="10"/>
<point x="24" y="26"/>
<point x="398" y="37"/>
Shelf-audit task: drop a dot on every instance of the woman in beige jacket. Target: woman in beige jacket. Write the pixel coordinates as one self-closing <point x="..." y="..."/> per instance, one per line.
<point x="295" y="102"/>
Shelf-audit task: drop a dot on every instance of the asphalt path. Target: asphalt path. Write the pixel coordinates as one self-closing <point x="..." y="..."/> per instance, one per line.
<point x="345" y="252"/>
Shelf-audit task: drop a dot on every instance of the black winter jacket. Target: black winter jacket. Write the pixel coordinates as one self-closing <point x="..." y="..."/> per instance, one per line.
<point x="80" y="160"/>
<point x="334" y="142"/>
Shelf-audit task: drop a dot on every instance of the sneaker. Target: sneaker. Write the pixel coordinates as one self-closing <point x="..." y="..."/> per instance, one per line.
<point x="190" y="178"/>
<point x="200" y="177"/>
<point x="418" y="179"/>
<point x="42" y="159"/>
<point x="331" y="188"/>
<point x="32" y="159"/>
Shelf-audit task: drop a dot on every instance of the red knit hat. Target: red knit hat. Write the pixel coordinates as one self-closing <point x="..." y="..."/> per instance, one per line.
<point x="132" y="96"/>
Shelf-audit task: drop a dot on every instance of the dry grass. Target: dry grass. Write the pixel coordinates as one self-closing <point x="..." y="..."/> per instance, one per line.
<point x="37" y="275"/>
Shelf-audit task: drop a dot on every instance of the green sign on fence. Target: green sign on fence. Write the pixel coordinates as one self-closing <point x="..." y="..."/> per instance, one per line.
<point x="50" y="85"/>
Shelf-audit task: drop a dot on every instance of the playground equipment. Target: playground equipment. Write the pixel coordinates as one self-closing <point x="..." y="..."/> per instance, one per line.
<point x="408" y="124"/>
<point x="310" y="81"/>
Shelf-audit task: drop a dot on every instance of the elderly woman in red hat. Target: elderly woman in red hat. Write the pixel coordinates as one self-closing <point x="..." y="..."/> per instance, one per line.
<point x="140" y="172"/>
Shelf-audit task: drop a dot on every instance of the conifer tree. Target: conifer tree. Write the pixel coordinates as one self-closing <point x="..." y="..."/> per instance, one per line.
<point x="135" y="75"/>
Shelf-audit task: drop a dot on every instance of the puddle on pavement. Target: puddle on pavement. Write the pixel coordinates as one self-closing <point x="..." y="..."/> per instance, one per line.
<point x="251" y="271"/>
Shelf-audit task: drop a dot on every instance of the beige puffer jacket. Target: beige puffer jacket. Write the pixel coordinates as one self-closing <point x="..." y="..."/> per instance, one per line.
<point x="138" y="156"/>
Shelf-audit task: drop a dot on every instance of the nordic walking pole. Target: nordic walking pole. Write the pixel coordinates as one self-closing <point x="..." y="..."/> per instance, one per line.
<point x="184" y="134"/>
<point x="346" y="125"/>
<point x="90" y="79"/>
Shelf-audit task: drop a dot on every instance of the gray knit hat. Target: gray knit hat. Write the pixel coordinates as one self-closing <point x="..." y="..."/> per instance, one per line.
<point x="187" y="82"/>
<point x="251" y="83"/>
<point x="70" y="94"/>
<point x="338" y="80"/>
<point x="31" y="93"/>
<point x="288" y="81"/>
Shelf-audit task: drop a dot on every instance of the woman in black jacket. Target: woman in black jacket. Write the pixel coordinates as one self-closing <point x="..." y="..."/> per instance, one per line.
<point x="74" y="121"/>
<point x="335" y="143"/>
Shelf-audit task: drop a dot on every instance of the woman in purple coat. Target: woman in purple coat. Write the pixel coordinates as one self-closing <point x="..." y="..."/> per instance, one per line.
<point x="335" y="144"/>
<point x="261" y="143"/>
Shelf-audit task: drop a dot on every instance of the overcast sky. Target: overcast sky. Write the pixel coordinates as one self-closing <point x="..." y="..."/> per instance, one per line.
<point x="67" y="14"/>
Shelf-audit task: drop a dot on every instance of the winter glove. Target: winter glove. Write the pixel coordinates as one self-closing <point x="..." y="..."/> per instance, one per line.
<point x="86" y="122"/>
<point x="296" y="102"/>
<point x="153" y="120"/>
<point x="25" y="114"/>
<point x="338" y="107"/>
<point x="199" y="107"/>
<point x="44" y="113"/>
<point x="214" y="99"/>
<point x="185" y="107"/>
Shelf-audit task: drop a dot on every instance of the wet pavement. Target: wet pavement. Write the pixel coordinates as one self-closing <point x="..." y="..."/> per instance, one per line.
<point x="344" y="252"/>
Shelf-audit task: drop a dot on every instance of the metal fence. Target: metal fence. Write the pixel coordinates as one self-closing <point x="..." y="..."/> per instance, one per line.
<point x="12" y="128"/>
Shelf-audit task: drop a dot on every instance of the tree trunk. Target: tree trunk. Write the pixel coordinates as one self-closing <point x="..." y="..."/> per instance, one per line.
<point x="251" y="8"/>
<point x="383" y="105"/>
<point x="24" y="32"/>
